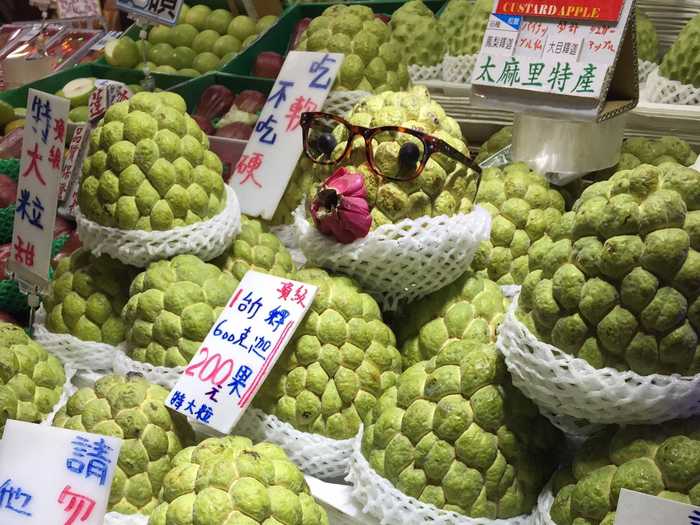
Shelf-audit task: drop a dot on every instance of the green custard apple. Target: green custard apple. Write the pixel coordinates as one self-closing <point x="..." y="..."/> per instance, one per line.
<point x="416" y="30"/>
<point x="445" y="187"/>
<point x="638" y="150"/>
<point x="454" y="433"/>
<point x="132" y="409"/>
<point x="230" y="481"/>
<point x="622" y="290"/>
<point x="662" y="461"/>
<point x="340" y="360"/>
<point x="31" y="379"/>
<point x="470" y="308"/>
<point x="150" y="167"/>
<point x="373" y="62"/>
<point x="524" y="207"/>
<point x="681" y="62"/>
<point x="495" y="143"/>
<point x="463" y="25"/>
<point x="647" y="39"/>
<point x="86" y="297"/>
<point x="300" y="183"/>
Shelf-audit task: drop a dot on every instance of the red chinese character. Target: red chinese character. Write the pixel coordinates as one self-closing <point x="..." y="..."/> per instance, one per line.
<point x="59" y="129"/>
<point x="284" y="290"/>
<point x="122" y="94"/>
<point x="299" y="106"/>
<point x="300" y="295"/>
<point x="96" y="107"/>
<point x="248" y="165"/>
<point x="24" y="253"/>
<point x="34" y="164"/>
<point x="80" y="506"/>
<point x="55" y="157"/>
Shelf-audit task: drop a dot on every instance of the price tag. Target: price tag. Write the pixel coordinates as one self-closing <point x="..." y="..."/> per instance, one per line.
<point x="263" y="171"/>
<point x="54" y="476"/>
<point x="594" y="10"/>
<point x="240" y="350"/>
<point x="76" y="8"/>
<point x="41" y="164"/>
<point x="635" y="508"/>
<point x="106" y="93"/>
<point x="157" y="11"/>
<point x="75" y="150"/>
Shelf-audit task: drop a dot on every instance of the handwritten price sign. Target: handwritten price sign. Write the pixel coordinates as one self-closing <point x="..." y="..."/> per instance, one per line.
<point x="240" y="350"/>
<point x="635" y="508"/>
<point x="54" y="476"/>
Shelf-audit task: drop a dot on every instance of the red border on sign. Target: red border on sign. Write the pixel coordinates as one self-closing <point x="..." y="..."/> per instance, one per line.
<point x="591" y="10"/>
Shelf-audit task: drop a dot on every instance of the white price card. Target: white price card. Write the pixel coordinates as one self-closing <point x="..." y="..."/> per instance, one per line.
<point x="55" y="476"/>
<point x="106" y="93"/>
<point x="158" y="11"/>
<point x="80" y="138"/>
<point x="240" y="350"/>
<point x="635" y="508"/>
<point x="41" y="163"/>
<point x="263" y="171"/>
<point x="78" y="8"/>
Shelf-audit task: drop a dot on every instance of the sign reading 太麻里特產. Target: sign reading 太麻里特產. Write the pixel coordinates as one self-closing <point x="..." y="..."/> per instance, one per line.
<point x="591" y="10"/>
<point x="240" y="350"/>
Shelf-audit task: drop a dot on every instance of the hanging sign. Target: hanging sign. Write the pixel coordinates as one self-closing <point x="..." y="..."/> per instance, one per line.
<point x="78" y="8"/>
<point x="267" y="164"/>
<point x="106" y="93"/>
<point x="241" y="349"/>
<point x="156" y="11"/>
<point x="635" y="508"/>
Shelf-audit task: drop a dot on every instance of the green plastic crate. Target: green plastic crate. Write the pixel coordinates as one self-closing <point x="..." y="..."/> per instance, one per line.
<point x="192" y="89"/>
<point x="51" y="84"/>
<point x="278" y="39"/>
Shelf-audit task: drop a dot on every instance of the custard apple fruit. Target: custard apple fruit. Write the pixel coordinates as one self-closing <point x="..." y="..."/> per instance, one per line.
<point x="300" y="183"/>
<point x="150" y="167"/>
<point x="495" y="143"/>
<point x="623" y="289"/>
<point x="647" y="39"/>
<point x="230" y="481"/>
<point x="682" y="61"/>
<point x="87" y="296"/>
<point x="662" y="461"/>
<point x="416" y="30"/>
<point x="453" y="21"/>
<point x="638" y="150"/>
<point x="341" y="359"/>
<point x="132" y="409"/>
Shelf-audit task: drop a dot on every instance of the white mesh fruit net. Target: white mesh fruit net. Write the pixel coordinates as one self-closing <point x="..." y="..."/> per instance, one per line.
<point x="206" y="239"/>
<point x="661" y="90"/>
<point x="392" y="507"/>
<point x="161" y="375"/>
<point x="341" y="102"/>
<point x="566" y="385"/>
<point x="544" y="503"/>
<point x="114" y="518"/>
<point x="458" y="69"/>
<point x="418" y="73"/>
<point x="316" y="455"/>
<point x="403" y="261"/>
<point x="68" y="390"/>
<point x="645" y="68"/>
<point x="73" y="352"/>
<point x="286" y="234"/>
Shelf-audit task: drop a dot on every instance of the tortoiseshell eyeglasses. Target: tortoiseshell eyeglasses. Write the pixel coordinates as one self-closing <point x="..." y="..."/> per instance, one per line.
<point x="393" y="152"/>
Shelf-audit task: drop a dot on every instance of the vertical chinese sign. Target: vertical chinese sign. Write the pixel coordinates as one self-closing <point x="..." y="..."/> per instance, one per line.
<point x="241" y="349"/>
<point x="54" y="476"/>
<point x="264" y="170"/>
<point x="41" y="166"/>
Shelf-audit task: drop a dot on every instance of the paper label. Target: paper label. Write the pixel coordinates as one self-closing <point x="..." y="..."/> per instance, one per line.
<point x="41" y="164"/>
<point x="75" y="8"/>
<point x="240" y="350"/>
<point x="635" y="508"/>
<point x="592" y="10"/>
<point x="54" y="476"/>
<point x="106" y="93"/>
<point x="102" y="42"/>
<point x="269" y="159"/>
<point x="80" y="138"/>
<point x="158" y="11"/>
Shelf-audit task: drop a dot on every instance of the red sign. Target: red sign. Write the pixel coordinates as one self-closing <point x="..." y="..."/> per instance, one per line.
<point x="592" y="10"/>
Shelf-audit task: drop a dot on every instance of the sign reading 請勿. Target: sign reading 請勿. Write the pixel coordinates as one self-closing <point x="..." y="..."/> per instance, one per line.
<point x="55" y="476"/>
<point x="263" y="171"/>
<point x="158" y="11"/>
<point x="240" y="350"/>
<point x="41" y="164"/>
<point x="593" y="10"/>
<point x="635" y="508"/>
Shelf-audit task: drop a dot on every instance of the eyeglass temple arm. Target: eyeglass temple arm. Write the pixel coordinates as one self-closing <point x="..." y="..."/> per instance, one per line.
<point x="445" y="148"/>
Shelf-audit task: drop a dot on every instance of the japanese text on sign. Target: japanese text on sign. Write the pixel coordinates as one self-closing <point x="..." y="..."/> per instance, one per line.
<point x="77" y="144"/>
<point x="160" y="11"/>
<point x="37" y="188"/>
<point x="592" y="10"/>
<point x="241" y="349"/>
<point x="76" y="468"/>
<point x="635" y="508"/>
<point x="263" y="171"/>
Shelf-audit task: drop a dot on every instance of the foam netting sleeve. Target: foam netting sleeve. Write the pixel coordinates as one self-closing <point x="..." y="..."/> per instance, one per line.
<point x="562" y="384"/>
<point x="115" y="518"/>
<point x="458" y="69"/>
<point x="73" y="352"/>
<point x="286" y="234"/>
<point x="661" y="90"/>
<point x="341" y="102"/>
<point x="316" y="455"/>
<point x="206" y="239"/>
<point x="161" y="375"/>
<point x="392" y="507"/>
<point x="645" y="69"/>
<point x="544" y="504"/>
<point x="403" y="261"/>
<point x="68" y="390"/>
<point x="418" y="73"/>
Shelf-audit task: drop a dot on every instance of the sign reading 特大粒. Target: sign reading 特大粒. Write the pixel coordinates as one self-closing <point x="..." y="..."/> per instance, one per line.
<point x="240" y="350"/>
<point x="157" y="11"/>
<point x="635" y="508"/>
<point x="263" y="171"/>
<point x="576" y="57"/>
<point x="55" y="476"/>
<point x="43" y="144"/>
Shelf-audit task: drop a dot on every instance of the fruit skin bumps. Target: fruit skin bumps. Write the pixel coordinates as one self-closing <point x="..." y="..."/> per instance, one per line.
<point x="464" y="25"/>
<point x="647" y="39"/>
<point x="416" y="30"/>
<point x="681" y="61"/>
<point x="132" y="409"/>
<point x="341" y="359"/>
<point x="661" y="460"/>
<point x="230" y="481"/>
<point x="623" y="289"/>
<point x="150" y="168"/>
